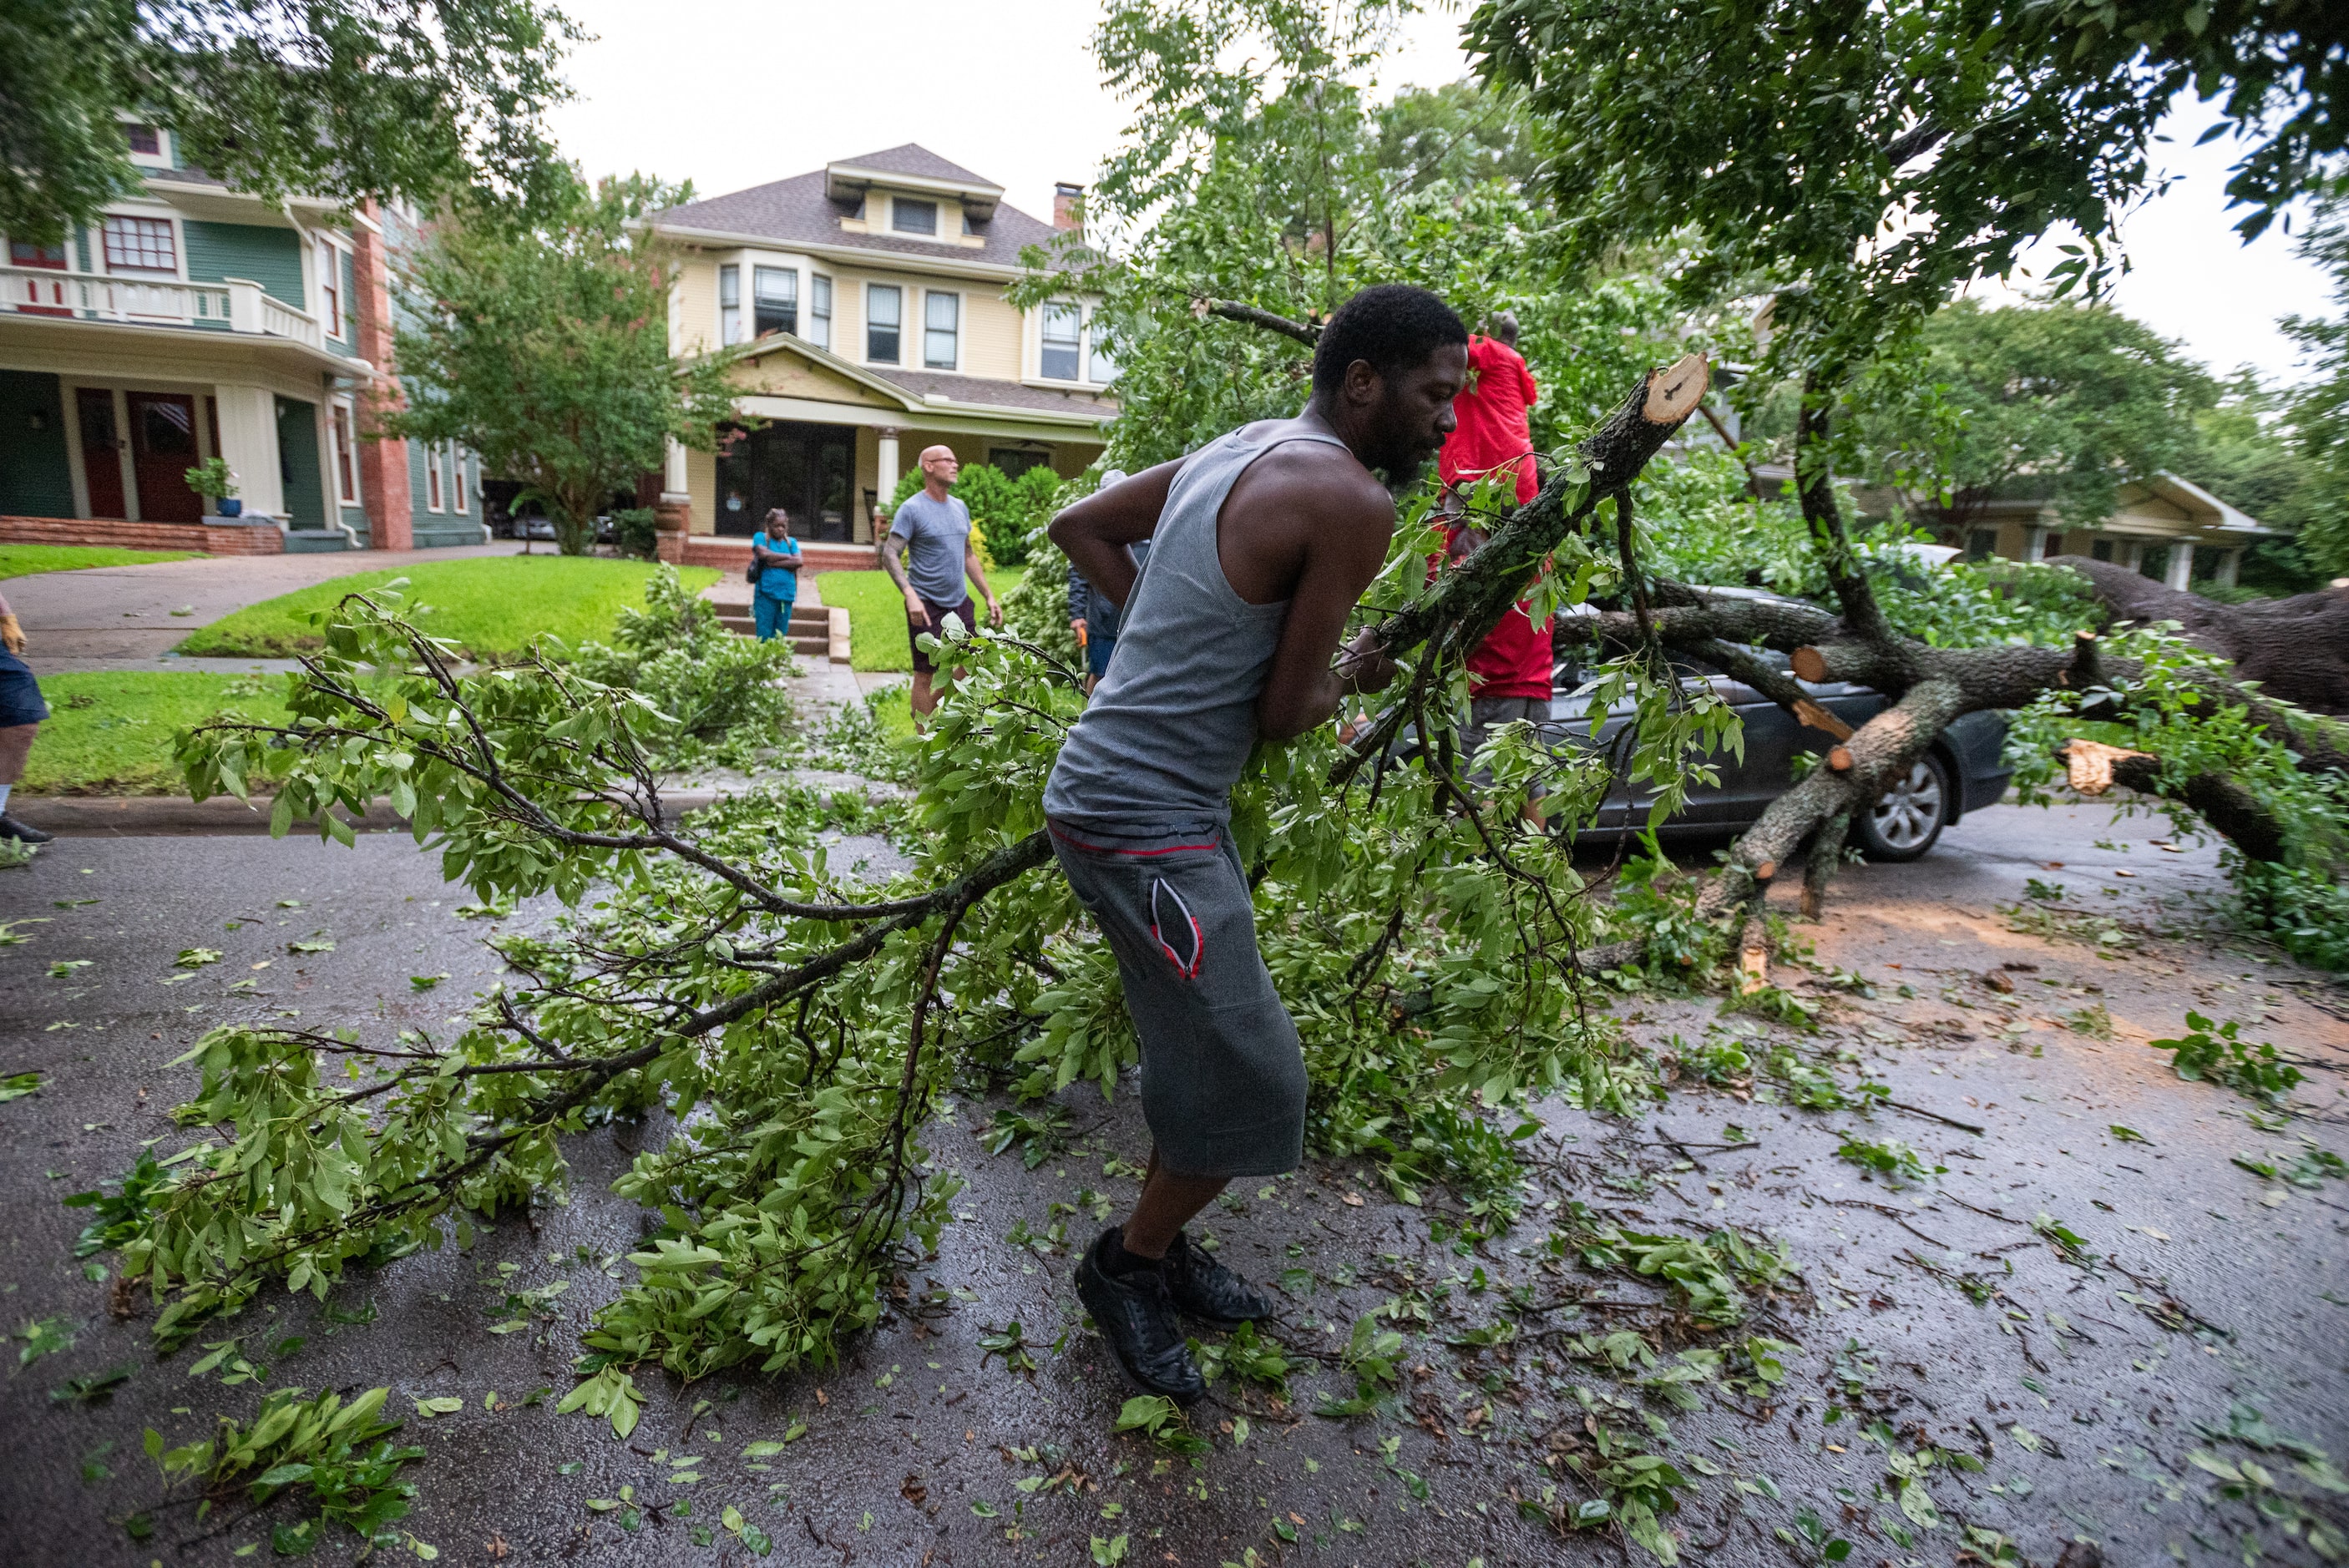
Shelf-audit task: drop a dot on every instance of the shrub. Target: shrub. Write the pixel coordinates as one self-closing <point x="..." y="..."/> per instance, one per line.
<point x="634" y="530"/>
<point x="713" y="685"/>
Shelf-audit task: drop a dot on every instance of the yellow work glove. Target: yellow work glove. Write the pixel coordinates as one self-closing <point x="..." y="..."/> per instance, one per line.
<point x="12" y="636"/>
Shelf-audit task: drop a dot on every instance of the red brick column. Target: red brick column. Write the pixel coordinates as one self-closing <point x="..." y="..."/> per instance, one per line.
<point x="383" y="463"/>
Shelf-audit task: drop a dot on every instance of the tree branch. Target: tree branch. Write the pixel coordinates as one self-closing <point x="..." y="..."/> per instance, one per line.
<point x="1308" y="333"/>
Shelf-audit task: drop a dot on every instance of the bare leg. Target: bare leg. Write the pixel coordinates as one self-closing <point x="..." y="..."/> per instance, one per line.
<point x="925" y="700"/>
<point x="1166" y="1204"/>
<point x="15" y="746"/>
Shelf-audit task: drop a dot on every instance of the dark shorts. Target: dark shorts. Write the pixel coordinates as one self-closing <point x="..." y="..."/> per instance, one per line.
<point x="1223" y="1074"/>
<point x="1487" y="714"/>
<point x="1098" y="648"/>
<point x="20" y="694"/>
<point x="936" y="625"/>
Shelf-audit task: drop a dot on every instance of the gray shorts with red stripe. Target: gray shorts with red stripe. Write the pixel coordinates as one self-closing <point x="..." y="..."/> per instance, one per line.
<point x="1223" y="1077"/>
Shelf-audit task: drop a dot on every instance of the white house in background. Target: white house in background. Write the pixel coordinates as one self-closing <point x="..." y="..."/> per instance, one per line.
<point x="192" y="321"/>
<point x="2166" y="527"/>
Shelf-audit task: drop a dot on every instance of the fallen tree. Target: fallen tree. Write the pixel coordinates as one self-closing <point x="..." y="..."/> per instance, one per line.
<point x="2295" y="649"/>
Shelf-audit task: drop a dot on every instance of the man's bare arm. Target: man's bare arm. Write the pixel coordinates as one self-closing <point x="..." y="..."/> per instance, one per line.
<point x="1347" y="527"/>
<point x="1094" y="532"/>
<point x="976" y="570"/>
<point x="893" y="561"/>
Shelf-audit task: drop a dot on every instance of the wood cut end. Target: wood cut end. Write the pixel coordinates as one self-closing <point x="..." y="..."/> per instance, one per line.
<point x="2089" y="764"/>
<point x="1810" y="664"/>
<point x="1839" y="758"/>
<point x="1753" y="971"/>
<point x="1765" y="871"/>
<point x="1675" y="393"/>
<point x="1820" y="719"/>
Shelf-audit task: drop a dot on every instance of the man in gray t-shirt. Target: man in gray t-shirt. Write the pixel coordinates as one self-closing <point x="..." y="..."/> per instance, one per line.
<point x="927" y="553"/>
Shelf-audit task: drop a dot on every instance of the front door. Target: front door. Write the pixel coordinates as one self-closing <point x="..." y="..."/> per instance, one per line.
<point x="162" y="450"/>
<point x="101" y="451"/>
<point x="803" y="468"/>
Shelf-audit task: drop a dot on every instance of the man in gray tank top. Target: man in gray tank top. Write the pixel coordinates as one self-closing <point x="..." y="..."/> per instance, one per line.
<point x="1260" y="545"/>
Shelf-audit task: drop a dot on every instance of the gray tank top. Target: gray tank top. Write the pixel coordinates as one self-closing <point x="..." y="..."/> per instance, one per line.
<point x="1171" y="726"/>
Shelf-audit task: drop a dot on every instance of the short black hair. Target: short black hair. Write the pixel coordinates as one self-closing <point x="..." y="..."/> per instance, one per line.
<point x="1394" y="326"/>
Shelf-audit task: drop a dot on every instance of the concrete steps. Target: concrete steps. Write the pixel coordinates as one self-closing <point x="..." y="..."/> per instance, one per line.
<point x="810" y="633"/>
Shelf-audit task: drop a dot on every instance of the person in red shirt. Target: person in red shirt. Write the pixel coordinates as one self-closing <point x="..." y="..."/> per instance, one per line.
<point x="1509" y="671"/>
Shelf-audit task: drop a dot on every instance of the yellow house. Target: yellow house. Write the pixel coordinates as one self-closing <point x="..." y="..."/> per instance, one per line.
<point x="872" y="293"/>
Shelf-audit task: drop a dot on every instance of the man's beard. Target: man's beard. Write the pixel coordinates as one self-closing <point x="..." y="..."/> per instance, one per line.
<point x="1402" y="474"/>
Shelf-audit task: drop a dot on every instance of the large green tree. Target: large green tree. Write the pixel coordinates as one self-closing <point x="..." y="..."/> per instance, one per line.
<point x="1262" y="183"/>
<point x="335" y="97"/>
<point x="2320" y="411"/>
<point x="2063" y="402"/>
<point x="543" y="343"/>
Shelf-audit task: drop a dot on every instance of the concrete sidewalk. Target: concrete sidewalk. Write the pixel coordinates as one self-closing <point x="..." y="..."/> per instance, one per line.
<point x="131" y="617"/>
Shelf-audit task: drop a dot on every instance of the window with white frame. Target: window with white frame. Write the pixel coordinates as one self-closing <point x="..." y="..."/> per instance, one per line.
<point x="330" y="289"/>
<point x="820" y="310"/>
<point x="1103" y="367"/>
<point x="1063" y="342"/>
<point x="347" y="479"/>
<point x="141" y="246"/>
<point x="908" y="216"/>
<point x="775" y="298"/>
<point x="146" y="144"/>
<point x="456" y="475"/>
<point x="885" y="306"/>
<point x="432" y="479"/>
<point x="730" y="306"/>
<point x="941" y="329"/>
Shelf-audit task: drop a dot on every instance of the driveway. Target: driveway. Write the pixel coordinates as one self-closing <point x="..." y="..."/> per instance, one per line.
<point x="131" y="617"/>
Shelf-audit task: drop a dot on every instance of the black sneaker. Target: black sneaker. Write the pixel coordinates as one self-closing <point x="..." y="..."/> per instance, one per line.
<point x="25" y="831"/>
<point x="1137" y="1318"/>
<point x="1209" y="1291"/>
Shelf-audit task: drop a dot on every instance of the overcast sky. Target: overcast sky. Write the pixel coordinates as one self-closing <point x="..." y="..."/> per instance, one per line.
<point x="735" y="93"/>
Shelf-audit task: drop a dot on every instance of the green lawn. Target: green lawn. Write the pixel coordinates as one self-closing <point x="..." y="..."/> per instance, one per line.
<point x="110" y="732"/>
<point x="489" y="606"/>
<point x="31" y="560"/>
<point x="877" y="612"/>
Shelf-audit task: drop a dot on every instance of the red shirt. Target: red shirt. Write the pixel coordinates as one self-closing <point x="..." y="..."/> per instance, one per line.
<point x="1493" y="431"/>
<point x="1514" y="658"/>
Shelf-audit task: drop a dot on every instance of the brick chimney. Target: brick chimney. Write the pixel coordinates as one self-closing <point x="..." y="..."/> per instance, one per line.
<point x="383" y="463"/>
<point x="1068" y="208"/>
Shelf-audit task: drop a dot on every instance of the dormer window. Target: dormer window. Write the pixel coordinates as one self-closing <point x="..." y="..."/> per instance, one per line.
<point x="908" y="216"/>
<point x="144" y="139"/>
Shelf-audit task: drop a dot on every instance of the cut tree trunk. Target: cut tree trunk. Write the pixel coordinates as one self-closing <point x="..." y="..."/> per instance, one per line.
<point x="2296" y="649"/>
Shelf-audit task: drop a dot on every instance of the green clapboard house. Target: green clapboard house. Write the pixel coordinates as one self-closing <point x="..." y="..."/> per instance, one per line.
<point x="194" y="321"/>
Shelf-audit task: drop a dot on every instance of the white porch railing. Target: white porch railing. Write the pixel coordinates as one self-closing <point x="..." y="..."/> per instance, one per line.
<point x="236" y="305"/>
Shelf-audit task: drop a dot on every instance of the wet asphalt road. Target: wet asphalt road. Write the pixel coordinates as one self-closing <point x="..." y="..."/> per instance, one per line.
<point x="2084" y="1408"/>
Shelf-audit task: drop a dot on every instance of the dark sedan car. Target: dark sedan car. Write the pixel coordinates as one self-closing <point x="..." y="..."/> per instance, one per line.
<point x="1963" y="771"/>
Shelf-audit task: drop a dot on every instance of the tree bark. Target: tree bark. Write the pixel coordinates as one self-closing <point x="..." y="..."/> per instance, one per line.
<point x="2297" y="650"/>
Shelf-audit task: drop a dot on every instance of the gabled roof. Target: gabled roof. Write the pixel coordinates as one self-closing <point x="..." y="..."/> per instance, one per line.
<point x="915" y="158"/>
<point x="931" y="391"/>
<point x="806" y="209"/>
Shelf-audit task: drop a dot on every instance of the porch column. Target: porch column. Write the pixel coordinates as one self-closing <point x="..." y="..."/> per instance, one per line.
<point x="674" y="512"/>
<point x="2181" y="565"/>
<point x="2230" y="567"/>
<point x="884" y="450"/>
<point x="2034" y="543"/>
<point x="248" y="432"/>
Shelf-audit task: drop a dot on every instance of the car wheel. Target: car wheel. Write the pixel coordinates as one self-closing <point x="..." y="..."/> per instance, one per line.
<point x="1904" y="824"/>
